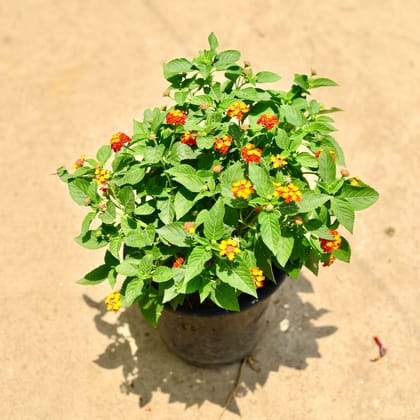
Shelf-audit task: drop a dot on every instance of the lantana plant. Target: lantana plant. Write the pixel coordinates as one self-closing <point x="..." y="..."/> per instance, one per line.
<point x="209" y="195"/>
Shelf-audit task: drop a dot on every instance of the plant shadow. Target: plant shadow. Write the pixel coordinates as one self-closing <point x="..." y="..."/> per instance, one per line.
<point x="148" y="366"/>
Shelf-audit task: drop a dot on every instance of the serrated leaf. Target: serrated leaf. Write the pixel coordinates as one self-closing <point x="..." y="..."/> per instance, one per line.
<point x="360" y="197"/>
<point x="285" y="249"/>
<point x="174" y="234"/>
<point x="200" y="99"/>
<point x="133" y="291"/>
<point x="213" y="223"/>
<point x="344" y="212"/>
<point x="183" y="203"/>
<point x="344" y="252"/>
<point x="311" y="200"/>
<point x="267" y="77"/>
<point x="270" y="229"/>
<point x="79" y="190"/>
<point x="133" y="176"/>
<point x="96" y="276"/>
<point x="115" y="247"/>
<point x="196" y="262"/>
<point x="104" y="153"/>
<point x="307" y="160"/>
<point x="327" y="168"/>
<point x="126" y="196"/>
<point x="126" y="269"/>
<point x="178" y="65"/>
<point x="162" y="274"/>
<point x="226" y="58"/>
<point x="187" y="176"/>
<point x="237" y="276"/>
<point x="213" y="42"/>
<point x="225" y="296"/>
<point x="292" y="115"/>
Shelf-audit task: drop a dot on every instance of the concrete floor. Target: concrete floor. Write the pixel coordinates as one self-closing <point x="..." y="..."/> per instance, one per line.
<point x="73" y="73"/>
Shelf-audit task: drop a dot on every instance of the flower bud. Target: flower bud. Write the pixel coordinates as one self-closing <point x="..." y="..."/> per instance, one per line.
<point x="204" y="105"/>
<point x="344" y="172"/>
<point x="166" y="92"/>
<point x="152" y="136"/>
<point x="86" y="201"/>
<point x="269" y="207"/>
<point x="298" y="220"/>
<point x="102" y="207"/>
<point x="163" y="108"/>
<point x="217" y="169"/>
<point x="244" y="127"/>
<point x="247" y="63"/>
<point x="246" y="71"/>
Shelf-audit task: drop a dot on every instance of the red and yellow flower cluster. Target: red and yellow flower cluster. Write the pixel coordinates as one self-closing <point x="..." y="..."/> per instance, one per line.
<point x="189" y="227"/>
<point x="258" y="276"/>
<point x="229" y="248"/>
<point x="113" y="302"/>
<point x="222" y="144"/>
<point x="178" y="262"/>
<point x="250" y="153"/>
<point x="289" y="192"/>
<point x="102" y="176"/>
<point x="278" y="161"/>
<point x="242" y="189"/>
<point x="79" y="162"/>
<point x="268" y="121"/>
<point x="189" y="138"/>
<point x="118" y="140"/>
<point x="329" y="245"/>
<point x="238" y="109"/>
<point x="176" y="117"/>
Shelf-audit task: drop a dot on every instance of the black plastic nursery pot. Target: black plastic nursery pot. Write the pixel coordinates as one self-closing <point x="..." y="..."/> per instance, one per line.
<point x="213" y="337"/>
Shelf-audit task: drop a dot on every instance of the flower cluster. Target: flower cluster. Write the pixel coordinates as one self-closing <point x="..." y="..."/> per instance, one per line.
<point x="278" y="161"/>
<point x="189" y="227"/>
<point x="238" y="109"/>
<point x="242" y="189"/>
<point x="289" y="192"/>
<point x="229" y="248"/>
<point x="102" y="176"/>
<point x="79" y="162"/>
<point x="113" y="302"/>
<point x="176" y="117"/>
<point x="118" y="140"/>
<point x="268" y="121"/>
<point x="250" y="153"/>
<point x="258" y="276"/>
<point x="189" y="138"/>
<point x="178" y="262"/>
<point x="329" y="245"/>
<point x="222" y="144"/>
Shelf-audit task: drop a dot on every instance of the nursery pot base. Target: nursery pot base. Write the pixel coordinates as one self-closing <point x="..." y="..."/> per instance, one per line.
<point x="215" y="337"/>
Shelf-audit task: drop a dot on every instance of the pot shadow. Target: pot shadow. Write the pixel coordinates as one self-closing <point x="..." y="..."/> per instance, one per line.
<point x="148" y="366"/>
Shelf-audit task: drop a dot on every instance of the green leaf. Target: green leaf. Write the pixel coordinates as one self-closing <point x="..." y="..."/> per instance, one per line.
<point x="96" y="276"/>
<point x="261" y="180"/>
<point x="249" y="93"/>
<point x="263" y="257"/>
<point x="285" y="249"/>
<point x="237" y="276"/>
<point x="112" y="278"/>
<point x="225" y="296"/>
<point x="226" y="58"/>
<point x="213" y="223"/>
<point x="115" y="247"/>
<point x="140" y="238"/>
<point x="205" y="142"/>
<point x="327" y="169"/>
<point x="62" y="173"/>
<point x="311" y="200"/>
<point x="126" y="196"/>
<point x="321" y="81"/>
<point x="344" y="212"/>
<point x="317" y="228"/>
<point x="166" y="210"/>
<point x="151" y="306"/>
<point x="183" y="203"/>
<point x="92" y="239"/>
<point x="174" y="234"/>
<point x="282" y="139"/>
<point x="307" y="160"/>
<point x="178" y="65"/>
<point x="200" y="99"/>
<point x="146" y="265"/>
<point x="133" y="291"/>
<point x="108" y="216"/>
<point x="270" y="229"/>
<point x="213" y="42"/>
<point x="144" y="209"/>
<point x="133" y="176"/>
<point x="104" y="153"/>
<point x="267" y="77"/>
<point x="153" y="154"/>
<point x="196" y="262"/>
<point x="360" y="197"/>
<point x="292" y="115"/>
<point x="344" y="252"/>
<point x="88" y="219"/>
<point x="162" y="274"/>
<point x="180" y="97"/>
<point x="187" y="176"/>
<point x="126" y="269"/>
<point x="79" y="190"/>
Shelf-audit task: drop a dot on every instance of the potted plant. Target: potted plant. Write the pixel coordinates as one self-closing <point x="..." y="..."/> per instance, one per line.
<point x="210" y="199"/>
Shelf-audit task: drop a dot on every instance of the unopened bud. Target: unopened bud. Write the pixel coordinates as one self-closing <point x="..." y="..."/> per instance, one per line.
<point x="269" y="207"/>
<point x="313" y="72"/>
<point x="152" y="136"/>
<point x="102" y="206"/>
<point x="298" y="220"/>
<point x="86" y="201"/>
<point x="246" y="71"/>
<point x="345" y="172"/>
<point x="269" y="197"/>
<point x="217" y="169"/>
<point x="244" y="127"/>
<point x="247" y="63"/>
<point x="163" y="108"/>
<point x="166" y="92"/>
<point x="204" y="105"/>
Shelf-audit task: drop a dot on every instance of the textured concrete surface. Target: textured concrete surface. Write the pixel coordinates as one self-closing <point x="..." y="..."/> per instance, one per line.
<point x="73" y="73"/>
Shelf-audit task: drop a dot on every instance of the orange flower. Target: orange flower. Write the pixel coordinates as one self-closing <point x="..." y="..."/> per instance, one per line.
<point x="329" y="245"/>
<point x="118" y="140"/>
<point x="79" y="162"/>
<point x="223" y="144"/>
<point x="289" y="192"/>
<point x="238" y="109"/>
<point x="268" y="121"/>
<point x="258" y="276"/>
<point x="250" y="153"/>
<point x="176" y="117"/>
<point x="278" y="161"/>
<point x="113" y="302"/>
<point x="178" y="262"/>
<point x="242" y="189"/>
<point x="189" y="138"/>
<point x="229" y="248"/>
